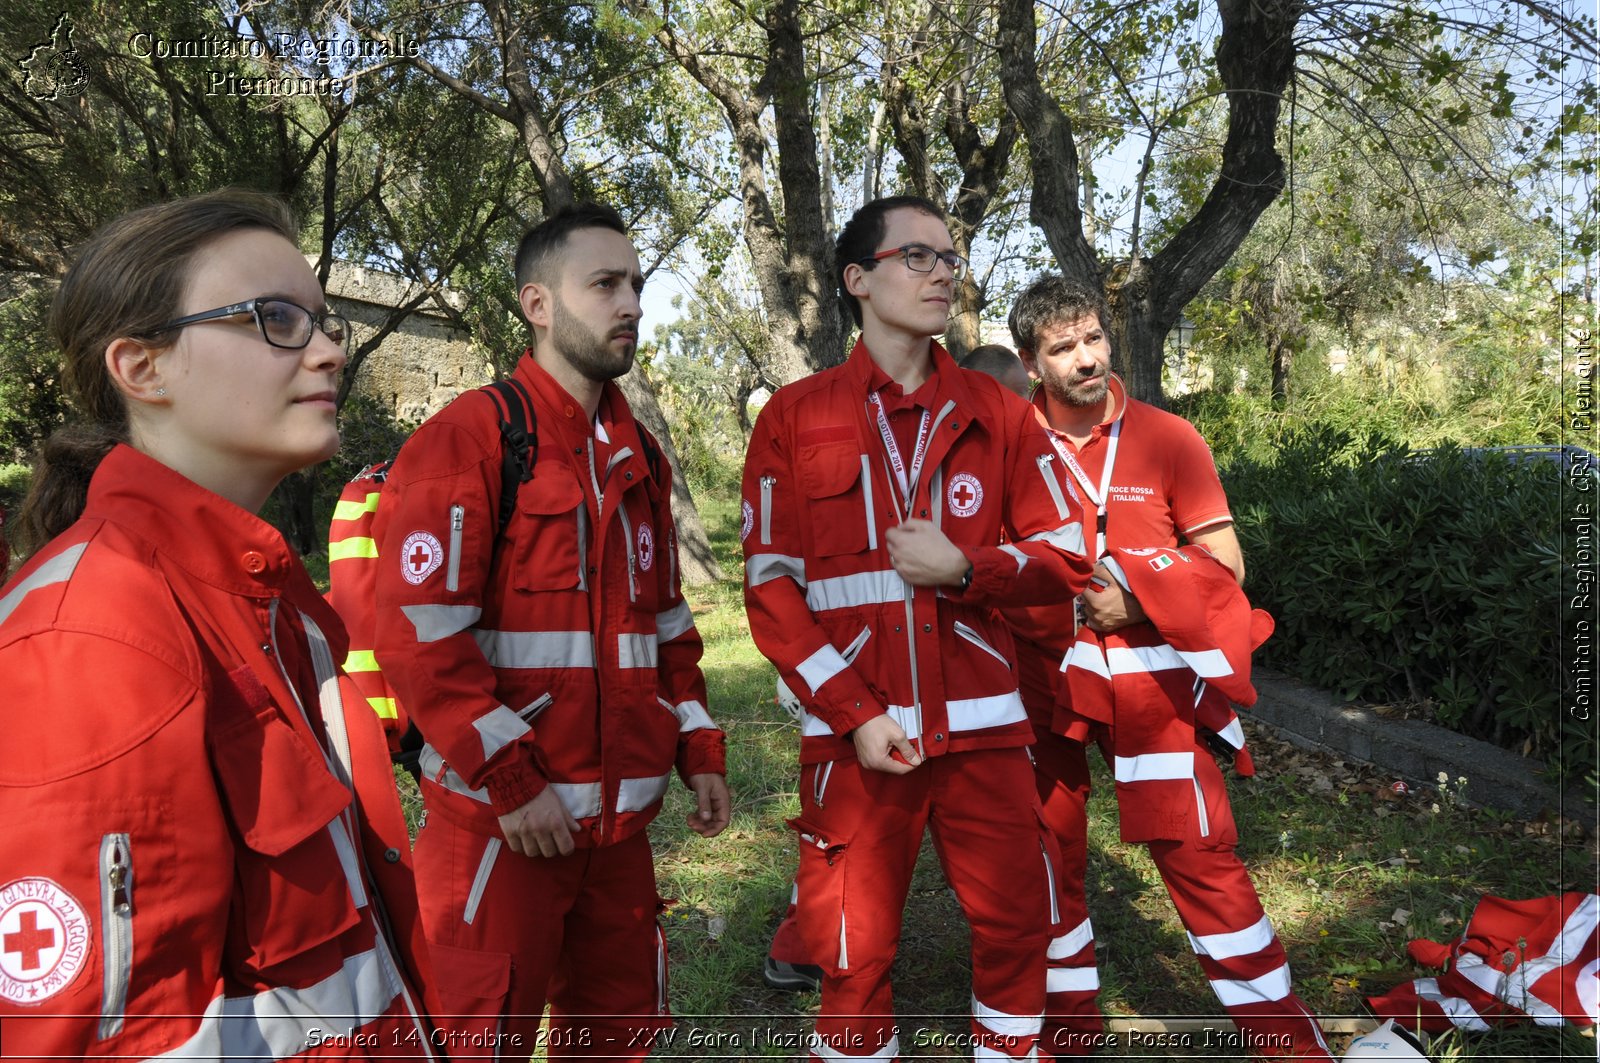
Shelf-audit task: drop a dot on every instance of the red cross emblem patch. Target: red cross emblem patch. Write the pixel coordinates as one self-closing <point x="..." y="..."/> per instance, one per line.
<point x="647" y="548"/>
<point x="964" y="495"/>
<point x="44" y="940"/>
<point x="421" y="556"/>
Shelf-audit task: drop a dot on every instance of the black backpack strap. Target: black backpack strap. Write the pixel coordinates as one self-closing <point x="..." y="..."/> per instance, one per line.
<point x="652" y="456"/>
<point x="519" y="432"/>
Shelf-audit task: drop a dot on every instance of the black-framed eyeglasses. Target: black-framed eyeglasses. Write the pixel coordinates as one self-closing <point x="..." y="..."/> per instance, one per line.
<point x="282" y="323"/>
<point x="921" y="258"/>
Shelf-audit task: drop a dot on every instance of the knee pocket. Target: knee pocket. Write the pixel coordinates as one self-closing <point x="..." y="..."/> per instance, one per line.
<point x="822" y="884"/>
<point x="473" y="988"/>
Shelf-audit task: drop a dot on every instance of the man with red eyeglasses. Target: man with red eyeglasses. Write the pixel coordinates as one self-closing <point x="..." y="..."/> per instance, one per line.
<point x="876" y="495"/>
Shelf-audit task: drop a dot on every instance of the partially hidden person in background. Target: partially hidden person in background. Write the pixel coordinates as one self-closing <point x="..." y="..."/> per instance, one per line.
<point x="204" y="854"/>
<point x="552" y="664"/>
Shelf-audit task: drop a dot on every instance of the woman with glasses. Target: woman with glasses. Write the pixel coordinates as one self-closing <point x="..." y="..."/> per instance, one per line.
<point x="203" y="853"/>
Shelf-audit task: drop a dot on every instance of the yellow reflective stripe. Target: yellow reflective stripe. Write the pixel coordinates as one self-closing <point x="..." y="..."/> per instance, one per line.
<point x="345" y="549"/>
<point x="385" y="708"/>
<point x="349" y="509"/>
<point x="361" y="661"/>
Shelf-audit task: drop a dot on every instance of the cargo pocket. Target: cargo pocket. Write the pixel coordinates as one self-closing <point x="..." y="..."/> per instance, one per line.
<point x="473" y="988"/>
<point x="282" y="802"/>
<point x="836" y="498"/>
<point x="821" y="917"/>
<point x="546" y="532"/>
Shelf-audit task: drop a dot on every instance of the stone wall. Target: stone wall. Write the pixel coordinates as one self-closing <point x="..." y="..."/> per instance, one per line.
<point x="421" y="365"/>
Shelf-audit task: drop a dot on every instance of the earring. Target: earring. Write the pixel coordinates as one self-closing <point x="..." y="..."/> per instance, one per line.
<point x="161" y="391"/>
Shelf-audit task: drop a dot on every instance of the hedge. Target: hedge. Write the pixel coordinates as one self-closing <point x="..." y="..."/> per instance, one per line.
<point x="1436" y="580"/>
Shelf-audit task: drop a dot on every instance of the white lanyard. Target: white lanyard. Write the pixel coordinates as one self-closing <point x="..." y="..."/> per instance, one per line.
<point x="907" y="483"/>
<point x="1103" y="495"/>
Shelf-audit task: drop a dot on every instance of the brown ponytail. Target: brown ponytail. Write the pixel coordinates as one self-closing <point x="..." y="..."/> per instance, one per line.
<point x="128" y="280"/>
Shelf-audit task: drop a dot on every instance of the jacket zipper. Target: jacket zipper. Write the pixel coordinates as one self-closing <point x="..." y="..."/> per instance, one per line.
<point x="480" y="881"/>
<point x="866" y="493"/>
<point x="819" y="782"/>
<point x="452" y="574"/>
<point x="1043" y="461"/>
<point x="583" y="548"/>
<point x="1200" y="809"/>
<point x="767" y="483"/>
<point x="627" y="538"/>
<point x="977" y="640"/>
<point x="535" y="707"/>
<point x="1050" y="883"/>
<point x="116" y="929"/>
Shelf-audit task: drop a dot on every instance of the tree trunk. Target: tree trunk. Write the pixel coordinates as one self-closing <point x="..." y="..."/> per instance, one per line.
<point x="698" y="564"/>
<point x="297" y="517"/>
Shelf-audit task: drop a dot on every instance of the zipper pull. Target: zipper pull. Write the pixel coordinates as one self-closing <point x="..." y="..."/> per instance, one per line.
<point x="458" y="517"/>
<point x="121" y="894"/>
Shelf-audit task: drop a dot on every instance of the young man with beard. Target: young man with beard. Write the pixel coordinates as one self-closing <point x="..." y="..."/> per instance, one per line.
<point x="876" y="495"/>
<point x="553" y="669"/>
<point x="1153" y="485"/>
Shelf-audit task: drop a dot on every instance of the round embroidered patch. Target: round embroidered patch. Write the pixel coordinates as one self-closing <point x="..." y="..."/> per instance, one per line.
<point x="748" y="520"/>
<point x="647" y="548"/>
<point x="964" y="495"/>
<point x="44" y="940"/>
<point x="421" y="556"/>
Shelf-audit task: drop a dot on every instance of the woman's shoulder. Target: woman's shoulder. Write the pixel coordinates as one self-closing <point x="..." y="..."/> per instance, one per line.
<point x="95" y="652"/>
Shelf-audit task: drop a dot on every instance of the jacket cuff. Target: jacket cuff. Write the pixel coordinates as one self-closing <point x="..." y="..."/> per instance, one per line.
<point x="513" y="786"/>
<point x="994" y="571"/>
<point x="702" y="752"/>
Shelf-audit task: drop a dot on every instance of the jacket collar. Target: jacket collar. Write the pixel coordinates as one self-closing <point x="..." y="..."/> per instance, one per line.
<point x="200" y="532"/>
<point x="568" y="414"/>
<point x="860" y="366"/>
<point x="1119" y="408"/>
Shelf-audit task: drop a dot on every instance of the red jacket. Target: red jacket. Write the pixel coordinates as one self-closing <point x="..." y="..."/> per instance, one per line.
<point x="564" y="655"/>
<point x="352" y="591"/>
<point x="847" y="634"/>
<point x="1151" y="684"/>
<point x="184" y="867"/>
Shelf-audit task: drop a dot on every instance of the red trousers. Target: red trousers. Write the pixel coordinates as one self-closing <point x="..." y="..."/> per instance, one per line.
<point x="860" y="832"/>
<point x="507" y="933"/>
<point x="1209" y="886"/>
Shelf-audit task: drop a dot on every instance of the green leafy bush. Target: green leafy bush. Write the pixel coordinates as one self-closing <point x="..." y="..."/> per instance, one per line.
<point x="1432" y="579"/>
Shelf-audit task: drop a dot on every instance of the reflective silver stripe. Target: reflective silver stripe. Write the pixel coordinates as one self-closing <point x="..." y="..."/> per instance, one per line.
<point x="1130" y="660"/>
<point x="435" y="622"/>
<point x="56" y="570"/>
<point x="116" y="930"/>
<point x="1089" y="657"/>
<point x="276" y="1024"/>
<point x="1207" y="664"/>
<point x="536" y="649"/>
<point x="674" y="622"/>
<point x="432" y="766"/>
<point x="1021" y="558"/>
<point x="692" y="715"/>
<point x="480" y="881"/>
<point x="1251" y="939"/>
<point x="1153" y="767"/>
<point x="582" y="799"/>
<point x="762" y="568"/>
<point x="1071" y="980"/>
<point x="866" y="493"/>
<point x="1071" y="943"/>
<point x="1233" y="734"/>
<point x="968" y="714"/>
<point x="330" y="702"/>
<point x="1234" y="993"/>
<point x="855" y="590"/>
<point x="636" y="651"/>
<point x="1068" y="537"/>
<point x="498" y="728"/>
<point x="1004" y="1023"/>
<point x="976" y="639"/>
<point x="819" y="1048"/>
<point x="1114" y="567"/>
<point x="1044" y="461"/>
<point x="821" y="666"/>
<point x="636" y="795"/>
<point x="1455" y="1009"/>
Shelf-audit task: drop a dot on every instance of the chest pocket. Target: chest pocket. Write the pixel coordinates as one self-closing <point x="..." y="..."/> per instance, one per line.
<point x="838" y="504"/>
<point x="280" y="798"/>
<point x="550" y="530"/>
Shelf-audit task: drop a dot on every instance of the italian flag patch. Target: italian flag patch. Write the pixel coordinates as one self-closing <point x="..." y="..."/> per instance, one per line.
<point x="1159" y="563"/>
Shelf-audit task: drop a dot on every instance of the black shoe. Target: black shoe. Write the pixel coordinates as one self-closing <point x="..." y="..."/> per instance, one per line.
<point x="791" y="977"/>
